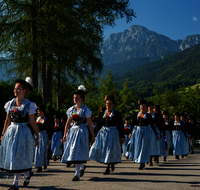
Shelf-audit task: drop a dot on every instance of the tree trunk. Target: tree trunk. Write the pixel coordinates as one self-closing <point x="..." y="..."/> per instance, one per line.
<point x="49" y="82"/>
<point x="34" y="65"/>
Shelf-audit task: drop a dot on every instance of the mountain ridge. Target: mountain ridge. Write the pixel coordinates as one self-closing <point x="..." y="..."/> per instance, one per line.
<point x="138" y="41"/>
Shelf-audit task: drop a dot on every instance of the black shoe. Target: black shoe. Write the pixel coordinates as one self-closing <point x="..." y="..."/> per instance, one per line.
<point x="150" y="163"/>
<point x="142" y="165"/>
<point x="27" y="180"/>
<point x="39" y="169"/>
<point x="45" y="167"/>
<point x="165" y="159"/>
<point x="55" y="158"/>
<point x="76" y="178"/>
<point x="81" y="173"/>
<point x="112" y="167"/>
<point x="107" y="171"/>
<point x="177" y="157"/>
<point x="13" y="187"/>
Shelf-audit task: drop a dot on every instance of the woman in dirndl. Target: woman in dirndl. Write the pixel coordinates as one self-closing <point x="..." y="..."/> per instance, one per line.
<point x="183" y="118"/>
<point x="155" y="145"/>
<point x="168" y="133"/>
<point x="17" y="143"/>
<point x="179" y="137"/>
<point x="159" y="123"/>
<point x="76" y="149"/>
<point x="141" y="138"/>
<point x="127" y="129"/>
<point x="107" y="148"/>
<point x="41" y="151"/>
<point x="56" y="143"/>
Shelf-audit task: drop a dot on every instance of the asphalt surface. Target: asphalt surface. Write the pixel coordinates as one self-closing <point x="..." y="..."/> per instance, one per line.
<point x="173" y="174"/>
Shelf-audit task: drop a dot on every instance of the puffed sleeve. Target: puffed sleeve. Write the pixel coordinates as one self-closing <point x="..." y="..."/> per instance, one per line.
<point x="88" y="113"/>
<point x="7" y="105"/>
<point x="68" y="113"/>
<point x="32" y="108"/>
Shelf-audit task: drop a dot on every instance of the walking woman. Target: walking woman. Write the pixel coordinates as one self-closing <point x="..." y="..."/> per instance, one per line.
<point x="179" y="137"/>
<point x="106" y="148"/>
<point x="168" y="133"/>
<point x="76" y="150"/>
<point x="41" y="151"/>
<point x="140" y="144"/>
<point x="16" y="148"/>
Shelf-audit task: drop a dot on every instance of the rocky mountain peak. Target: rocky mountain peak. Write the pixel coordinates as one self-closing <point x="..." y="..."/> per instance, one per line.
<point x="138" y="41"/>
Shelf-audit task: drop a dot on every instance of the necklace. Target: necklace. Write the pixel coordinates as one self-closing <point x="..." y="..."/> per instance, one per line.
<point x="19" y="100"/>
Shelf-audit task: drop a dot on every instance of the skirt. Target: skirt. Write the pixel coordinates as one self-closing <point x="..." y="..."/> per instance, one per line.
<point x="106" y="149"/>
<point x="76" y="148"/>
<point x="124" y="145"/>
<point x="178" y="142"/>
<point x="16" y="149"/>
<point x="41" y="151"/>
<point x="155" y="144"/>
<point x="169" y="142"/>
<point x="56" y="147"/>
<point x="140" y="144"/>
<point x="162" y="146"/>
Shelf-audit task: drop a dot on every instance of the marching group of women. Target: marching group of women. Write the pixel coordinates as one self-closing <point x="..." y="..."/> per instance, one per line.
<point x="150" y="135"/>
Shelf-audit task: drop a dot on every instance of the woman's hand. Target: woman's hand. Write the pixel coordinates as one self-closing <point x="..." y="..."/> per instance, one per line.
<point x="64" y="139"/>
<point x="130" y="136"/>
<point x="1" y="138"/>
<point x="157" y="138"/>
<point x="37" y="140"/>
<point x="121" y="141"/>
<point x="92" y="140"/>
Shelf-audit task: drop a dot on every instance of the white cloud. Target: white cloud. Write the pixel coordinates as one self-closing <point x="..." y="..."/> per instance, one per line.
<point x="194" y="18"/>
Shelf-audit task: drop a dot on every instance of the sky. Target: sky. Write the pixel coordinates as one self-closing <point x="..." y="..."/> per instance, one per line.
<point x="175" y="19"/>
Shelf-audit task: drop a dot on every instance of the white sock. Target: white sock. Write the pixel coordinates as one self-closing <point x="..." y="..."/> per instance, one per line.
<point x="27" y="174"/>
<point x="82" y="167"/>
<point x="16" y="179"/>
<point x="77" y="169"/>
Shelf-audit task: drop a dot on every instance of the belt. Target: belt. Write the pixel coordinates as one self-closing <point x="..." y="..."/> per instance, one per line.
<point x="78" y="122"/>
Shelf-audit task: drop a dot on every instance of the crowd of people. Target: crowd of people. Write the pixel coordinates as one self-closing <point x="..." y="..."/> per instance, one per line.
<point x="28" y="141"/>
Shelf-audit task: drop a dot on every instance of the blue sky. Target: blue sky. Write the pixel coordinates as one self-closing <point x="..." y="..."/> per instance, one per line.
<point x="175" y="19"/>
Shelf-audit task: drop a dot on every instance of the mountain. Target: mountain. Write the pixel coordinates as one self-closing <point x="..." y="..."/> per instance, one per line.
<point x="170" y="72"/>
<point x="125" y="66"/>
<point x="138" y="41"/>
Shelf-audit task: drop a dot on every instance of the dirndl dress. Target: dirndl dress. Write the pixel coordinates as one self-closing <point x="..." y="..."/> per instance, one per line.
<point x="162" y="145"/>
<point x="125" y="144"/>
<point x="41" y="151"/>
<point x="16" y="148"/>
<point x="178" y="142"/>
<point x="140" y="143"/>
<point x="56" y="147"/>
<point x="155" y="144"/>
<point x="76" y="148"/>
<point x="106" y="148"/>
<point x="169" y="142"/>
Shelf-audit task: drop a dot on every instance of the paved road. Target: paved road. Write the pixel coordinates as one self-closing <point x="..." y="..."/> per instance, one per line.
<point x="174" y="174"/>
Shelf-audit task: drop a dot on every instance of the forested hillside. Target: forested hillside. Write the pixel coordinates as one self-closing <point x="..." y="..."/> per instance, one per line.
<point x="169" y="72"/>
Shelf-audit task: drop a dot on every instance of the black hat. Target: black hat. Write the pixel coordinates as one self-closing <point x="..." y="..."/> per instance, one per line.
<point x="142" y="101"/>
<point x="165" y="113"/>
<point x="56" y="117"/>
<point x="107" y="97"/>
<point x="127" y="118"/>
<point x="181" y="114"/>
<point x="95" y="119"/>
<point x="27" y="82"/>
<point x="149" y="103"/>
<point x="176" y="114"/>
<point x="191" y="116"/>
<point x="81" y="90"/>
<point x="42" y="108"/>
